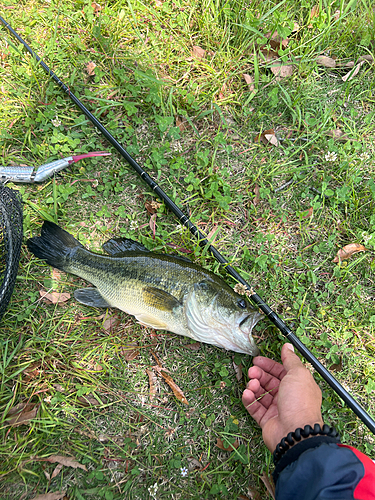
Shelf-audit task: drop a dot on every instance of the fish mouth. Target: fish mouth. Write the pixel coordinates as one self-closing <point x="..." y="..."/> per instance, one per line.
<point x="249" y="321"/>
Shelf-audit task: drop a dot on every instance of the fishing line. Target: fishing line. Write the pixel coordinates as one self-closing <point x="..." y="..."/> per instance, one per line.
<point x="274" y="318"/>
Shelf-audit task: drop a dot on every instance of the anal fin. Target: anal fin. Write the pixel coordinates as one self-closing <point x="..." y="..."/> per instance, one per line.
<point x="90" y="297"/>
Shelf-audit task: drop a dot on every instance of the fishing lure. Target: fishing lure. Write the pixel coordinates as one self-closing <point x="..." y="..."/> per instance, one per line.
<point x="40" y="174"/>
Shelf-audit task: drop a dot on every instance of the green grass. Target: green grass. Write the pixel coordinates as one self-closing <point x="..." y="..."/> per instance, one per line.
<point x="146" y="76"/>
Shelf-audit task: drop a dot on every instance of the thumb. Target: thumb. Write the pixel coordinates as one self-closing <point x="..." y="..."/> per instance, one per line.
<point x="289" y="359"/>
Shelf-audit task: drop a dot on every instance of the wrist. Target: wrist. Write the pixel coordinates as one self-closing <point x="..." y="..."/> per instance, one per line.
<point x="301" y="434"/>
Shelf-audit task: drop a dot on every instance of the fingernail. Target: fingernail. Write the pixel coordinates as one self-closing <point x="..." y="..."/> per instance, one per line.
<point x="290" y="346"/>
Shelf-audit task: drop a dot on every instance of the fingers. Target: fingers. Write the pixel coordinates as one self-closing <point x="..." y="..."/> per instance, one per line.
<point x="269" y="366"/>
<point x="254" y="407"/>
<point x="289" y="358"/>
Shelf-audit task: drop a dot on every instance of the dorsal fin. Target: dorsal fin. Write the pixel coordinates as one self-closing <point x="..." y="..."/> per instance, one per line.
<point x="118" y="246"/>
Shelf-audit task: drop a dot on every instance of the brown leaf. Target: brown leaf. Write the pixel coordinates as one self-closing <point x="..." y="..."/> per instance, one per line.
<point x="325" y="61"/>
<point x="58" y="495"/>
<point x="195" y="346"/>
<point x="268" y="54"/>
<point x="176" y="390"/>
<point x="152" y="207"/>
<point x="231" y="447"/>
<point x="96" y="7"/>
<point x="181" y="124"/>
<point x="54" y="297"/>
<point x="194" y="464"/>
<point x="353" y="72"/>
<point x="152" y="224"/>
<point x="238" y="371"/>
<point x="250" y="81"/>
<point x="60" y="459"/>
<point x="90" y="68"/>
<point x="256" y="199"/>
<point x="152" y="382"/>
<point x="269" y="484"/>
<point x="243" y="497"/>
<point x="282" y="70"/>
<point x="254" y="493"/>
<point x="308" y="214"/>
<point x="57" y="470"/>
<point x="368" y="58"/>
<point x="314" y="11"/>
<point x="267" y="137"/>
<point x="22" y="414"/>
<point x="130" y="351"/>
<point x="348" y="250"/>
<point x="88" y="400"/>
<point x="336" y="15"/>
<point x="198" y="52"/>
<point x="338" y="135"/>
<point x="111" y="322"/>
<point x="276" y="41"/>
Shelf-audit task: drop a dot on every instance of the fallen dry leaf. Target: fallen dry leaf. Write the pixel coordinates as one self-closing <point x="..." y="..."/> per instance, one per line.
<point x="111" y="322"/>
<point x="353" y="72"/>
<point x="152" y="207"/>
<point x="254" y="493"/>
<point x="58" y="495"/>
<point x="309" y="213"/>
<point x="276" y="41"/>
<point x="268" y="55"/>
<point x="237" y="371"/>
<point x="267" y="137"/>
<point x="176" y="390"/>
<point x="367" y="57"/>
<point x="336" y="15"/>
<point x="152" y="224"/>
<point x="325" y="61"/>
<point x="269" y="484"/>
<point x="88" y="400"/>
<point x="338" y="135"/>
<point x="90" y="68"/>
<point x="282" y="70"/>
<point x="198" y="52"/>
<point x="250" y="81"/>
<point x="22" y="414"/>
<point x="96" y="7"/>
<point x="348" y="250"/>
<point x="130" y="351"/>
<point x="152" y="380"/>
<point x="54" y="297"/>
<point x="314" y="13"/>
<point x="57" y="470"/>
<point x="181" y="124"/>
<point x="195" y="346"/>
<point x="231" y="447"/>
<point x="60" y="459"/>
<point x="256" y="199"/>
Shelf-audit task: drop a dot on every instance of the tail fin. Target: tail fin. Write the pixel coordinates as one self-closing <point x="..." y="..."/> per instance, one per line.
<point x="54" y="245"/>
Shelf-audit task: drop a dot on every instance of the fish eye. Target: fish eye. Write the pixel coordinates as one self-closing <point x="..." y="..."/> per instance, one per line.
<point x="242" y="303"/>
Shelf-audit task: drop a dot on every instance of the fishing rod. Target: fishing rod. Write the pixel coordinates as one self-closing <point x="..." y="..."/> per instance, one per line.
<point x="203" y="242"/>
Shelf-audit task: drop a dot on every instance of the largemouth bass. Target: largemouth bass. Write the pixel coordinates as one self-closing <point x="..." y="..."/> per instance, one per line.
<point x="162" y="291"/>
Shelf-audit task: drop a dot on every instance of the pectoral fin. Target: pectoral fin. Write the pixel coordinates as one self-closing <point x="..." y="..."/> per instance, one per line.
<point x="90" y="297"/>
<point x="160" y="299"/>
<point x="116" y="247"/>
<point x="151" y="321"/>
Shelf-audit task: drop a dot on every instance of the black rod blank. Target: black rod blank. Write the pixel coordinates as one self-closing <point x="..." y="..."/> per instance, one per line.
<point x="274" y="318"/>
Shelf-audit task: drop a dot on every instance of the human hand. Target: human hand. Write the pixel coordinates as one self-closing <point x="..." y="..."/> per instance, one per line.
<point x="282" y="398"/>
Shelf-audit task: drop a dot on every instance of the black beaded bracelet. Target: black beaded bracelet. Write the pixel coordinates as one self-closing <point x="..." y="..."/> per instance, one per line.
<point x="300" y="433"/>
